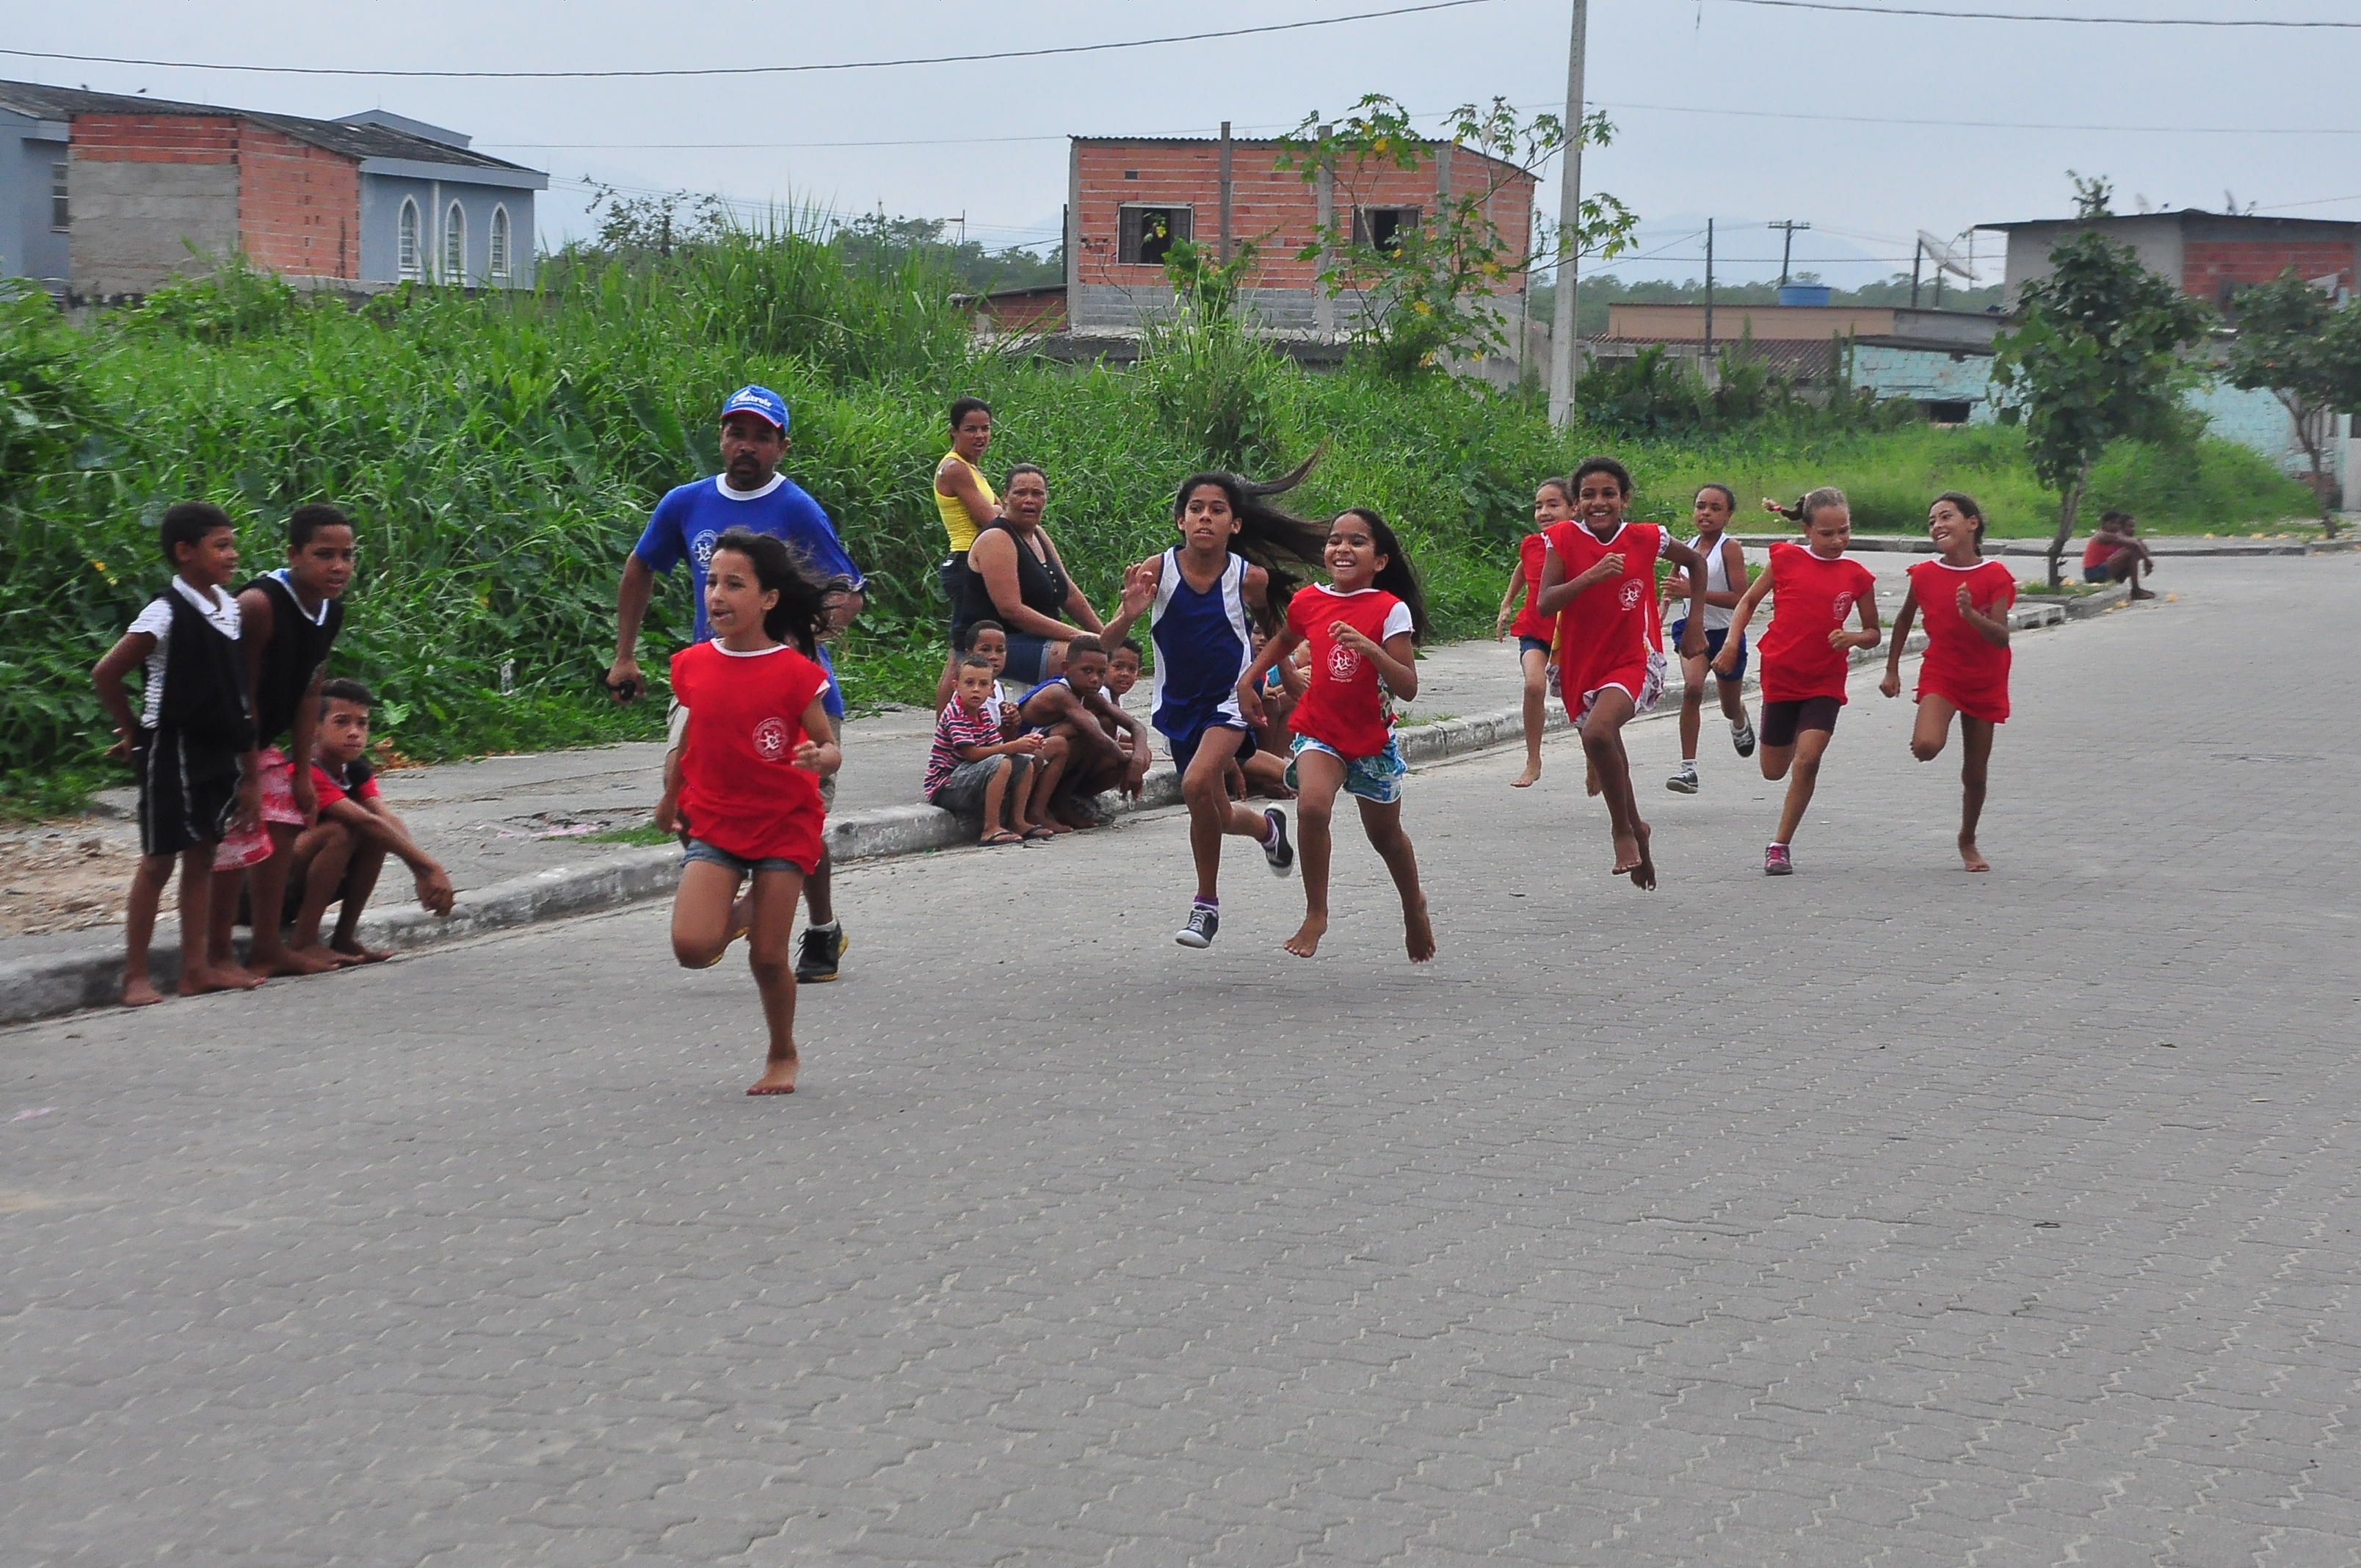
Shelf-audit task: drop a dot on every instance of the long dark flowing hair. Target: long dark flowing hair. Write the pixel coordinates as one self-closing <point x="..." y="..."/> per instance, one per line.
<point x="1277" y="541"/>
<point x="1397" y="577"/>
<point x="801" y="614"/>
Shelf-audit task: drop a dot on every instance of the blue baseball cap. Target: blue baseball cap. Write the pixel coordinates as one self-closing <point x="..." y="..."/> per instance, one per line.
<point x="758" y="401"/>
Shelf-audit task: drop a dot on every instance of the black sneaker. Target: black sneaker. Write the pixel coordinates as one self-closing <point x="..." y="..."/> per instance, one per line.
<point x="821" y="950"/>
<point x="1203" y="923"/>
<point x="1684" y="781"/>
<point x="1276" y="848"/>
<point x="1742" y="735"/>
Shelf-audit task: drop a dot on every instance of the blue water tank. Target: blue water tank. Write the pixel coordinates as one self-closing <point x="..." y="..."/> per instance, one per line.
<point x="1803" y="293"/>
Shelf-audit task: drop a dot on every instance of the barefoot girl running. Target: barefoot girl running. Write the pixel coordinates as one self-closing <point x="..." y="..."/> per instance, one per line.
<point x="1814" y="587"/>
<point x="1363" y="631"/>
<point x="750" y="741"/>
<point x="1965" y="600"/>
<point x="1725" y="580"/>
<point x="1553" y="503"/>
<point x="1199" y="597"/>
<point x="1599" y="582"/>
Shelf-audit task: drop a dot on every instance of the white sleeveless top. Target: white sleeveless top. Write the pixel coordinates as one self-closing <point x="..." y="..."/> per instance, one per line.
<point x="1716" y="581"/>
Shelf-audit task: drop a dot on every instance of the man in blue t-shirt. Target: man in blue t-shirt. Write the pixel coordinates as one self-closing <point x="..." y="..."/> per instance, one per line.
<point x="751" y="493"/>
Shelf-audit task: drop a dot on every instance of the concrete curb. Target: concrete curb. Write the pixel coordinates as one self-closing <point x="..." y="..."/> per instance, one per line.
<point x="67" y="983"/>
<point x="2168" y="544"/>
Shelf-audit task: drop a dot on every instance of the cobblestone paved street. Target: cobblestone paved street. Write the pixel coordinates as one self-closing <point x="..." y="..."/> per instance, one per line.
<point x="1881" y="1214"/>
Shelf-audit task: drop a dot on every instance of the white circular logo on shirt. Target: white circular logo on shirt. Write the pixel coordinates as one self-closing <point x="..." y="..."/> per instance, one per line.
<point x="700" y="549"/>
<point x="1344" y="662"/>
<point x="771" y="740"/>
<point x="1631" y="592"/>
<point x="1843" y="605"/>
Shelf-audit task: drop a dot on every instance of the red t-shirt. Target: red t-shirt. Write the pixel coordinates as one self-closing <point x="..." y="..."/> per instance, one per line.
<point x="1531" y="622"/>
<point x="1342" y="706"/>
<point x="2099" y="552"/>
<point x="1959" y="666"/>
<point x="739" y="788"/>
<point x="1605" y="636"/>
<point x="1810" y="597"/>
<point x="357" y="782"/>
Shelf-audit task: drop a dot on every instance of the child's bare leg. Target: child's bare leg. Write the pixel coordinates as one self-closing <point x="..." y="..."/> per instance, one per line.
<point x="1602" y="742"/>
<point x="221" y="926"/>
<point x="1691" y="705"/>
<point x="199" y="972"/>
<point x="322" y="851"/>
<point x="1049" y="771"/>
<point x="149" y="881"/>
<point x="770" y="956"/>
<point x="1931" y="729"/>
<point x="704" y="910"/>
<point x="1317" y="777"/>
<point x="995" y="797"/>
<point x="1266" y="771"/>
<point x="1383" y="824"/>
<point x="266" y="896"/>
<point x="1536" y="717"/>
<point x="1775" y="760"/>
<point x="1975" y="742"/>
<point x="1732" y="693"/>
<point x="360" y="881"/>
<point x="1212" y="813"/>
<point x="1802" y="781"/>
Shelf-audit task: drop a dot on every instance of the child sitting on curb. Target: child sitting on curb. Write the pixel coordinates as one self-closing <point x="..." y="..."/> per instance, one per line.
<point x="337" y="859"/>
<point x="972" y="769"/>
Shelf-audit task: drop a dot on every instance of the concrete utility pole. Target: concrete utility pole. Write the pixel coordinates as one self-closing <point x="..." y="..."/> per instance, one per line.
<point x="1706" y="365"/>
<point x="1786" y="246"/>
<point x="1565" y="351"/>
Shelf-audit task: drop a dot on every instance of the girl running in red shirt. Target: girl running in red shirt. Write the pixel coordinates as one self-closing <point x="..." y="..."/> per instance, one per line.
<point x="1804" y="654"/>
<point x="1965" y="600"/>
<point x="750" y="744"/>
<point x="1599" y="581"/>
<point x="1362" y="629"/>
<point x="1553" y="503"/>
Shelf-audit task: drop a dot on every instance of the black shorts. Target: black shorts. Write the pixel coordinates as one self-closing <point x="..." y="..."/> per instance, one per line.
<point x="187" y="789"/>
<point x="1783" y="721"/>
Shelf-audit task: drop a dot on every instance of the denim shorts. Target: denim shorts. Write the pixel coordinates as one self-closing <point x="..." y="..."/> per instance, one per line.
<point x="1377" y="779"/>
<point x="1532" y="645"/>
<point x="699" y="850"/>
<point x="1715" y="636"/>
<point x="963" y="788"/>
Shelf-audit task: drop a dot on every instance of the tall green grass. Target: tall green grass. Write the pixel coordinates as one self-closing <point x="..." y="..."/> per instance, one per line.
<point x="501" y="455"/>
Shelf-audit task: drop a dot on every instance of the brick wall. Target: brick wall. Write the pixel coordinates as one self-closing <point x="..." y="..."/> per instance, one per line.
<point x="299" y="205"/>
<point x="155" y="138"/>
<point x="1275" y="207"/>
<point x="2211" y="268"/>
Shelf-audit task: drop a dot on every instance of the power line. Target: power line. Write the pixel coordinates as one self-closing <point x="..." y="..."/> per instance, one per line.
<point x="2041" y="17"/>
<point x="1994" y="124"/>
<point x="755" y="69"/>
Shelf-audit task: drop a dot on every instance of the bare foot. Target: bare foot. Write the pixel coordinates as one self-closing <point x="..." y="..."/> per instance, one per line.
<point x="1643" y="875"/>
<point x="141" y="992"/>
<point x="201" y="980"/>
<point x="1628" y="854"/>
<point x="1971" y="858"/>
<point x="1306" y="940"/>
<point x="288" y="961"/>
<point x="1418" y="932"/>
<point x="778" y="1078"/>
<point x="356" y="953"/>
<point x="329" y="956"/>
<point x="1529" y="777"/>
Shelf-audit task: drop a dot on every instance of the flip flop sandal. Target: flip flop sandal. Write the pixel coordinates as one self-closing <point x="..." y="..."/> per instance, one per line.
<point x="1000" y="840"/>
<point x="1039" y="836"/>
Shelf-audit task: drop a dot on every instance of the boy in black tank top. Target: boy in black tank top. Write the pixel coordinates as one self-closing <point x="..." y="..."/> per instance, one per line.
<point x="290" y="618"/>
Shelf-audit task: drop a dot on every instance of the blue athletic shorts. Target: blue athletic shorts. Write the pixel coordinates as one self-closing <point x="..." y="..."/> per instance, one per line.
<point x="1715" y="636"/>
<point x="1184" y="746"/>
<point x="1377" y="779"/>
<point x="1532" y="645"/>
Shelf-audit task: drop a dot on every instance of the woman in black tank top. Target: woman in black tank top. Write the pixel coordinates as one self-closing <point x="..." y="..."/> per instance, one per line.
<point x="1014" y="577"/>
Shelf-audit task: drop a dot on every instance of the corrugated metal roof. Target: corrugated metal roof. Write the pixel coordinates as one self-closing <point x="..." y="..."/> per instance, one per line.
<point x="351" y="140"/>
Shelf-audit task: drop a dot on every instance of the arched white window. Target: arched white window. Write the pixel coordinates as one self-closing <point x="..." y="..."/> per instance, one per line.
<point x="406" y="257"/>
<point x="454" y="245"/>
<point x="497" y="263"/>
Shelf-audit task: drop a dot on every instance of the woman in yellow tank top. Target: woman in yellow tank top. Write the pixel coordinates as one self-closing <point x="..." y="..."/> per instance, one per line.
<point x="966" y="501"/>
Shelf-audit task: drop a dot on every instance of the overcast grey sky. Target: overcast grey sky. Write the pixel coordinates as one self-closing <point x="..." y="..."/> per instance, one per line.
<point x="1925" y="122"/>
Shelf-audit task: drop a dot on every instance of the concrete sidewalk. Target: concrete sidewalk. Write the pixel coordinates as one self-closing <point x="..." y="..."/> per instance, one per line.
<point x="520" y="834"/>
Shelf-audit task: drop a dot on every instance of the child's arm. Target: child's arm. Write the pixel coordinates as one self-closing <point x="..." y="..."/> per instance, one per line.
<point x="1022" y="746"/>
<point x="1509" y="601"/>
<point x="1692" y="571"/>
<point x="1726" y="660"/>
<point x="130" y="651"/>
<point x="1139" y="598"/>
<point x="1397" y="661"/>
<point x="375" y="821"/>
<point x="1868" y="636"/>
<point x="821" y="757"/>
<point x="1557" y="592"/>
<point x="1993" y="629"/>
<point x="1250" y="684"/>
<point x="1136" y="754"/>
<point x="667" y="817"/>
<point x="1892" y="685"/>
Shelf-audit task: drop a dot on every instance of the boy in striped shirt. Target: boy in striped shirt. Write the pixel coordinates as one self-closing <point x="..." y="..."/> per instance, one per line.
<point x="970" y="768"/>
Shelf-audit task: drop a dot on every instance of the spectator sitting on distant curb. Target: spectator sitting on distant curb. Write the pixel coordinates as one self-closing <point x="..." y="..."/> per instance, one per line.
<point x="972" y="769"/>
<point x="2115" y="554"/>
<point x="338" y="858"/>
<point x="1070" y="714"/>
<point x="1123" y="673"/>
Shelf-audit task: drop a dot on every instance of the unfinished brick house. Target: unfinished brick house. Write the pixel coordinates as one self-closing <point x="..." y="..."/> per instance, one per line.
<point x="1129" y="197"/>
<point x="2209" y="255"/>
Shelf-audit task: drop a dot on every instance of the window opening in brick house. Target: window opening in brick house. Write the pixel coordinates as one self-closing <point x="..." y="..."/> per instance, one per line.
<point x="1145" y="234"/>
<point x="1381" y="229"/>
<point x="60" y="210"/>
<point x="454" y="245"/>
<point x="496" y="267"/>
<point x="405" y="265"/>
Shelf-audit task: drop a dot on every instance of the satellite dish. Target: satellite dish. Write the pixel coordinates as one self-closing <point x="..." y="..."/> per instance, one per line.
<point x="1945" y="259"/>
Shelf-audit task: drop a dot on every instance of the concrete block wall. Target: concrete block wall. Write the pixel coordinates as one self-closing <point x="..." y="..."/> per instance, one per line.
<point x="144" y="189"/>
<point x="299" y="205"/>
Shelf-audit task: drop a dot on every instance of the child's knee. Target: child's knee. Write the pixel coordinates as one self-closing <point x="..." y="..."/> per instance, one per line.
<point x="1925" y="749"/>
<point x="690" y="954"/>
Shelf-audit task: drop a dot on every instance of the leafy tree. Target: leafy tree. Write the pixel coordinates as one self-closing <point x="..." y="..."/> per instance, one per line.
<point x="2100" y="355"/>
<point x="2094" y="195"/>
<point x="1427" y="291"/>
<point x="2295" y="342"/>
